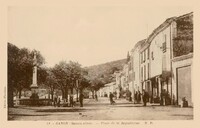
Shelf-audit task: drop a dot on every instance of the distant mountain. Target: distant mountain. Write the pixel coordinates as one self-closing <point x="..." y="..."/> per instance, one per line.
<point x="105" y="70"/>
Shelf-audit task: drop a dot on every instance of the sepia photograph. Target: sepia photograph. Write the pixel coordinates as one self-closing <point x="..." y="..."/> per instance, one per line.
<point x="100" y="62"/>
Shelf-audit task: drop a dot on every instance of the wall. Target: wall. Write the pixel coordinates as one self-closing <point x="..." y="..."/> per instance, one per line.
<point x="160" y="61"/>
<point x="144" y="68"/>
<point x="180" y="62"/>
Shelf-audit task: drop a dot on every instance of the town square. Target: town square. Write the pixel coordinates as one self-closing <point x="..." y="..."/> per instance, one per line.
<point x="99" y="63"/>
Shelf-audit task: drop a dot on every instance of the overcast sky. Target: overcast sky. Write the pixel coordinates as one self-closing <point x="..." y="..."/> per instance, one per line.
<point x="90" y="35"/>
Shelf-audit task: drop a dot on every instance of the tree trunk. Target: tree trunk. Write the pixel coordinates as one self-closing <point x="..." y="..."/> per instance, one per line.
<point x="10" y="96"/>
<point x="77" y="95"/>
<point x="81" y="90"/>
<point x="20" y="93"/>
<point x="49" y="94"/>
<point x="63" y="94"/>
<point x="52" y="94"/>
<point x="66" y="94"/>
<point x="71" y="90"/>
<point x="93" y="94"/>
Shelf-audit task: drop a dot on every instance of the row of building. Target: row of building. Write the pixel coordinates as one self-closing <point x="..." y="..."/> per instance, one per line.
<point x="161" y="63"/>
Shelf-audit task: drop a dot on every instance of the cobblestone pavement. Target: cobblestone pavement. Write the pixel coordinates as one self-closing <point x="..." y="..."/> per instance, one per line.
<point x="101" y="110"/>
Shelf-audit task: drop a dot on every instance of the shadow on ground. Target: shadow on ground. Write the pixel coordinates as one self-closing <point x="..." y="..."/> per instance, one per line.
<point x="28" y="115"/>
<point x="64" y="110"/>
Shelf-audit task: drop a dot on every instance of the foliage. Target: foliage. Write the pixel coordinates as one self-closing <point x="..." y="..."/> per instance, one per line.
<point x="183" y="42"/>
<point x="68" y="74"/>
<point x="20" y="64"/>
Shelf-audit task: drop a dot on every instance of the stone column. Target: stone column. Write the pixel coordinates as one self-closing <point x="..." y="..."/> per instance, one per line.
<point x="34" y="86"/>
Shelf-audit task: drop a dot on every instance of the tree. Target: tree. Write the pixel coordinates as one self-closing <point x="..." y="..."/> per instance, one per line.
<point x="63" y="76"/>
<point x="70" y="76"/>
<point x="75" y="72"/>
<point x="96" y="84"/>
<point x="12" y="71"/>
<point x="183" y="42"/>
<point x="25" y="61"/>
<point x="51" y="82"/>
<point x="84" y="80"/>
<point x="20" y="64"/>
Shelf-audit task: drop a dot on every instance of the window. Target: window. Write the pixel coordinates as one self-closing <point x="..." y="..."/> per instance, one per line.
<point x="141" y="73"/>
<point x="129" y="67"/>
<point x="144" y="55"/>
<point x="148" y="70"/>
<point x="152" y="57"/>
<point x="144" y="72"/>
<point x="164" y="44"/>
<point x="148" y="53"/>
<point x="141" y="55"/>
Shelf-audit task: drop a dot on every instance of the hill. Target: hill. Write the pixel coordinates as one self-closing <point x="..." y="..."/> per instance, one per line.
<point x="105" y="70"/>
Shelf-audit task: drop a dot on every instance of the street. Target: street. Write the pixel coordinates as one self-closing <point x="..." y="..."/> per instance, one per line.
<point x="101" y="110"/>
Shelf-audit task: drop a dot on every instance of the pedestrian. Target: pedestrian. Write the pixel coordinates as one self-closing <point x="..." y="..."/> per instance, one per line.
<point x="71" y="101"/>
<point x="139" y="97"/>
<point x="130" y="98"/>
<point x="81" y="97"/>
<point x="115" y="94"/>
<point x="184" y="102"/>
<point x="96" y="98"/>
<point x="135" y="97"/>
<point x="111" y="98"/>
<point x="145" y="97"/>
<point x="58" y="103"/>
<point x="163" y="97"/>
<point x="55" y="101"/>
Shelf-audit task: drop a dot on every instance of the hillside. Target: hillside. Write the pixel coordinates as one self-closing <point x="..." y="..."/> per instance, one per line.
<point x="105" y="70"/>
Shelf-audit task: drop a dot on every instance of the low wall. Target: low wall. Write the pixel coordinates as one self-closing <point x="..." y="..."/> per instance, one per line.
<point x="35" y="102"/>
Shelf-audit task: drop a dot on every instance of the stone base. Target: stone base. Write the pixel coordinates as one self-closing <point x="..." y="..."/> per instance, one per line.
<point x="34" y="86"/>
<point x="34" y="96"/>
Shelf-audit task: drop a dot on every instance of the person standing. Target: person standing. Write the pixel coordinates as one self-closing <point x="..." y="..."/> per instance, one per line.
<point x="71" y="101"/>
<point x="130" y="98"/>
<point x="139" y="97"/>
<point x="144" y="97"/>
<point x="111" y="98"/>
<point x="55" y="101"/>
<point x="81" y="99"/>
<point x="135" y="97"/>
<point x="58" y="103"/>
<point x="96" y="98"/>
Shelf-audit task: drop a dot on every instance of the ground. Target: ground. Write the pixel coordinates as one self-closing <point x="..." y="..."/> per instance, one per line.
<point x="101" y="110"/>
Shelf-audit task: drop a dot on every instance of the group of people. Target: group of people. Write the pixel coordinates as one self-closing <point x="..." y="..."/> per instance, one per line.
<point x="165" y="98"/>
<point x="57" y="101"/>
<point x="144" y="95"/>
<point x="137" y="97"/>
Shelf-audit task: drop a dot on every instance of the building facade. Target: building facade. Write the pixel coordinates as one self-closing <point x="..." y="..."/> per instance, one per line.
<point x="182" y="79"/>
<point x="182" y="60"/>
<point x="161" y="53"/>
<point x="161" y="63"/>
<point x="144" y="62"/>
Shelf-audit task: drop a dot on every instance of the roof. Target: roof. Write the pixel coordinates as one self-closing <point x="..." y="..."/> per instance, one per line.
<point x="156" y="31"/>
<point x="139" y="43"/>
<point x="185" y="15"/>
<point x="165" y="24"/>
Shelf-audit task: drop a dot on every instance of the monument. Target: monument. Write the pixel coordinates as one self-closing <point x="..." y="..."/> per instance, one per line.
<point x="34" y="86"/>
<point x="34" y="99"/>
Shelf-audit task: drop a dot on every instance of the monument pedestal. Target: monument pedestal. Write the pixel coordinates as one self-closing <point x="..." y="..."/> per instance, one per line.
<point x="34" y="95"/>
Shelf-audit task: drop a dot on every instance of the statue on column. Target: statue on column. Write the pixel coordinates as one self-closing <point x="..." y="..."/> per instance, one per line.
<point x="34" y="86"/>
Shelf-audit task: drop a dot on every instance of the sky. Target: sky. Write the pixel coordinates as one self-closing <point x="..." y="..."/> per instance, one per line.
<point x="90" y="35"/>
